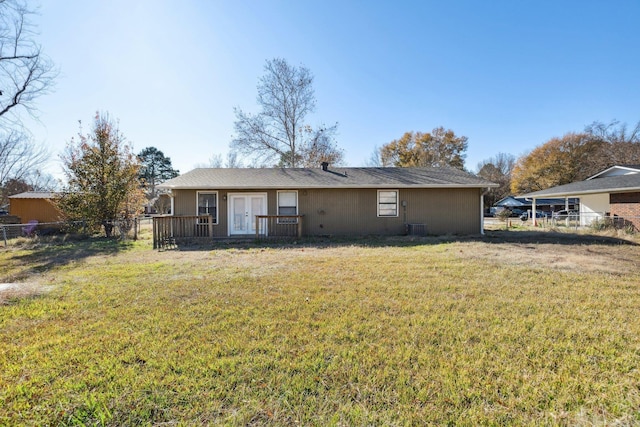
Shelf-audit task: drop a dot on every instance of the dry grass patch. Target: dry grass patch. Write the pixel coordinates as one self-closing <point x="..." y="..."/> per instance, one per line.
<point x="562" y="251"/>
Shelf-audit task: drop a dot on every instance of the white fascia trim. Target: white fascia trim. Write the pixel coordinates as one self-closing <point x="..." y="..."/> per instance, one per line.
<point x="626" y="168"/>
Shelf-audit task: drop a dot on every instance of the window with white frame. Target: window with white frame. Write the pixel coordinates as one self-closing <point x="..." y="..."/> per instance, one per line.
<point x="208" y="204"/>
<point x="287" y="205"/>
<point x="387" y="202"/>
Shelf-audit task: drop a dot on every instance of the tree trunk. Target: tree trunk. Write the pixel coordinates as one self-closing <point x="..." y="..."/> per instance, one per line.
<point x="108" y="228"/>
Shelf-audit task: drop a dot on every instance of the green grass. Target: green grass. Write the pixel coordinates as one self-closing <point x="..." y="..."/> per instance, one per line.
<point x="355" y="334"/>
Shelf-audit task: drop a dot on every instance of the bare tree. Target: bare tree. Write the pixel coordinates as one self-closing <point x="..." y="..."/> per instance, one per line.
<point x="233" y="161"/>
<point x="278" y="133"/>
<point x="214" y="162"/>
<point x="19" y="155"/>
<point x="20" y="159"/>
<point x="217" y="161"/>
<point x="25" y="72"/>
<point x="619" y="145"/>
<point x="497" y="169"/>
<point x="42" y="181"/>
<point x="374" y="160"/>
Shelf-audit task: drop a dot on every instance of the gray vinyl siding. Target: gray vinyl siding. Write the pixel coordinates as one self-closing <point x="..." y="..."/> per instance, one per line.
<point x="445" y="211"/>
<point x="344" y="212"/>
<point x="184" y="202"/>
<point x="354" y="211"/>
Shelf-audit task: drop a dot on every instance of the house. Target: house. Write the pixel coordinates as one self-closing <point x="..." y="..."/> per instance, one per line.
<point x="523" y="204"/>
<point x="161" y="204"/>
<point x="35" y="206"/>
<point x="327" y="201"/>
<point x="613" y="193"/>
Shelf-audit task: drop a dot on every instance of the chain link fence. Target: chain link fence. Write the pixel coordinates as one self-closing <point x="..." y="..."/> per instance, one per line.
<point x="597" y="221"/>
<point x="32" y="229"/>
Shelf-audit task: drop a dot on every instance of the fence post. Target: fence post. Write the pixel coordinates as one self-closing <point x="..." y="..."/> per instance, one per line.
<point x="4" y="235"/>
<point x="257" y="227"/>
<point x="155" y="227"/>
<point x="299" y="228"/>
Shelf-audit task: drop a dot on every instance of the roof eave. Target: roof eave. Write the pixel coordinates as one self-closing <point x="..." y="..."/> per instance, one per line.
<point x="599" y="174"/>
<point x="316" y="187"/>
<point x="578" y="193"/>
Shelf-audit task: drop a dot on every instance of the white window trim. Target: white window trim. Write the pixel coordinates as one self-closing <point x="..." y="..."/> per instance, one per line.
<point x="215" y="220"/>
<point x="397" y="203"/>
<point x="278" y="205"/>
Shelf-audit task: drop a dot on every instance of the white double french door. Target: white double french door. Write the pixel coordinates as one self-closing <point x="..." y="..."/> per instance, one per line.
<point x="243" y="208"/>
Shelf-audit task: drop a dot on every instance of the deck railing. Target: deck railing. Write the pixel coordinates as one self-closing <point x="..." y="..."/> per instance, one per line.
<point x="166" y="229"/>
<point x="278" y="226"/>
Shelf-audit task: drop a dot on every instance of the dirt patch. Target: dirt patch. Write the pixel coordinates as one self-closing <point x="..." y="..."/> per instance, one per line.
<point x="14" y="291"/>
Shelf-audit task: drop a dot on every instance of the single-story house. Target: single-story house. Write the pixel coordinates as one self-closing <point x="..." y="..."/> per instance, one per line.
<point x="161" y="204"/>
<point x="543" y="204"/>
<point x="612" y="193"/>
<point x="35" y="206"/>
<point x="328" y="201"/>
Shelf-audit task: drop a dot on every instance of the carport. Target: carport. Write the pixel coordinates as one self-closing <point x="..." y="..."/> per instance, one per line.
<point x="600" y="197"/>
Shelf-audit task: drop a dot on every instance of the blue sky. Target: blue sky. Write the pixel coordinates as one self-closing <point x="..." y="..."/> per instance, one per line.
<point x="509" y="75"/>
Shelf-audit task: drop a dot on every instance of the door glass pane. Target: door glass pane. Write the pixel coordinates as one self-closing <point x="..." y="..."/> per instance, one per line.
<point x="256" y="209"/>
<point x="239" y="213"/>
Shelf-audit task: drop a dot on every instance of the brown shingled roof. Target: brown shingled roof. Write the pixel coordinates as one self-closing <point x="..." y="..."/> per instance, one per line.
<point x="611" y="184"/>
<point x="282" y="178"/>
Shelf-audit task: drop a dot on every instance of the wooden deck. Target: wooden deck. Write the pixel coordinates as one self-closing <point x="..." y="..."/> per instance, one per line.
<point x="168" y="229"/>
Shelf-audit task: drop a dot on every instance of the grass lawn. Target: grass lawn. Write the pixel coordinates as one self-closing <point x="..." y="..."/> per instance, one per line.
<point x="513" y="328"/>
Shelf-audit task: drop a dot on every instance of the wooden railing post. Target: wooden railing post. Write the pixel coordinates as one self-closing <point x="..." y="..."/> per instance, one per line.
<point x="299" y="229"/>
<point x="155" y="233"/>
<point x="210" y="222"/>
<point x="257" y="226"/>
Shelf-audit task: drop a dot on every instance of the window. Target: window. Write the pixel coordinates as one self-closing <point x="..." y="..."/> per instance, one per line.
<point x="387" y="202"/>
<point x="287" y="205"/>
<point x="208" y="204"/>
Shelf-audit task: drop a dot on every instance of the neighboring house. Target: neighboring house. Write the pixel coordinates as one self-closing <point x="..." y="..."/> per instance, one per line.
<point x="159" y="205"/>
<point x="34" y="206"/>
<point x="330" y="201"/>
<point x="543" y="204"/>
<point x="614" y="192"/>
